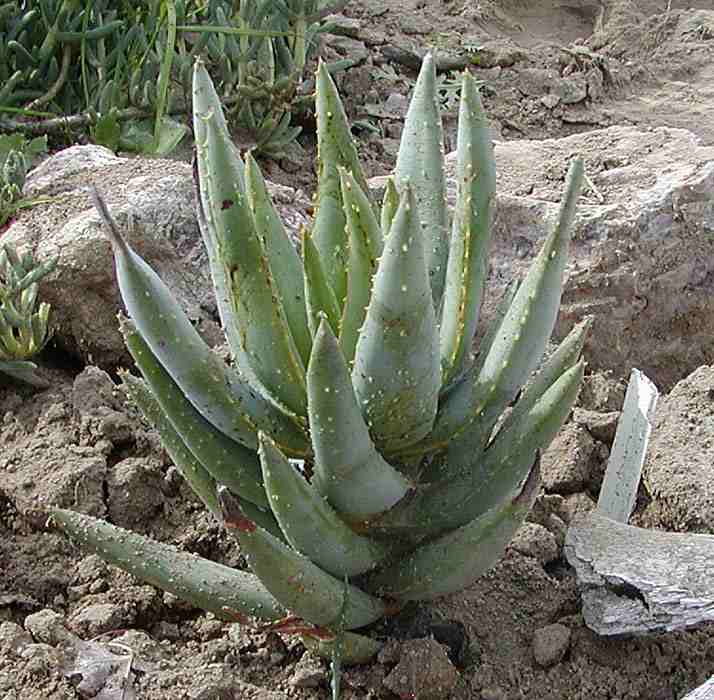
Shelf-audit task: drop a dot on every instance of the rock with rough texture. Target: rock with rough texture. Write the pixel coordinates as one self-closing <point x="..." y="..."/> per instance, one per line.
<point x="602" y="392"/>
<point x="47" y="626"/>
<point x="134" y="492"/>
<point x="491" y="693"/>
<point x="153" y="203"/>
<point x="650" y="205"/>
<point x="574" y="504"/>
<point x="550" y="644"/>
<point x="642" y="260"/>
<point x="703" y="692"/>
<point x="67" y="475"/>
<point x="678" y="467"/>
<point x="145" y="647"/>
<point x="97" y="619"/>
<point x="533" y="540"/>
<point x="90" y="568"/>
<point x="55" y="450"/>
<point x="339" y="25"/>
<point x="308" y="673"/>
<point x="567" y="464"/>
<point x="100" y="405"/>
<point x="601" y="426"/>
<point x="390" y="652"/>
<point x="424" y="671"/>
<point x="13" y="639"/>
<point x="636" y="581"/>
<point x="41" y="659"/>
<point x="228" y="689"/>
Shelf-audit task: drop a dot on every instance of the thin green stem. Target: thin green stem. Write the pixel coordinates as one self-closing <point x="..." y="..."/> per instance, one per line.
<point x="165" y="74"/>
<point x="83" y="54"/>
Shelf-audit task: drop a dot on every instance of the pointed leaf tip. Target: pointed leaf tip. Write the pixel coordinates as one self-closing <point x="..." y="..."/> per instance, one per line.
<point x="396" y="373"/>
<point x="202" y="582"/>
<point x="420" y="161"/>
<point x="309" y="523"/>
<point x="467" y="267"/>
<point x="110" y="226"/>
<point x="336" y="148"/>
<point x="349" y="470"/>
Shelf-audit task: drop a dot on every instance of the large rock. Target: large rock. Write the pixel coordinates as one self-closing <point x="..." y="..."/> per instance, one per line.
<point x="643" y="253"/>
<point x="570" y="460"/>
<point x="153" y="202"/>
<point x="679" y="470"/>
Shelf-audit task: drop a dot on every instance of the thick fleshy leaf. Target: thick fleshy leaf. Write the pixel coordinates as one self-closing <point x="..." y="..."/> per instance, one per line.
<point x="471" y="234"/>
<point x="470" y="375"/>
<point x="190" y="468"/>
<point x="319" y="297"/>
<point x="535" y="428"/>
<point x="268" y="347"/>
<point x="212" y="178"/>
<point x="420" y="163"/>
<point x="226" y="460"/>
<point x="335" y="148"/>
<point x="364" y="249"/>
<point x="494" y="477"/>
<point x="23" y="371"/>
<point x="308" y="521"/>
<point x="522" y="335"/>
<point x="494" y="325"/>
<point x="453" y="561"/>
<point x="283" y="259"/>
<point x="349" y="471"/>
<point x="221" y="288"/>
<point x="444" y="467"/>
<point x="203" y="583"/>
<point x="215" y="390"/>
<point x="564" y="357"/>
<point x="463" y="448"/>
<point x="299" y="584"/>
<point x="525" y="330"/>
<point x="390" y="204"/>
<point x="397" y="373"/>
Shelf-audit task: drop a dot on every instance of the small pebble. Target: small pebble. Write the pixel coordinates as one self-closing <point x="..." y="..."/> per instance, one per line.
<point x="550" y="644"/>
<point x="533" y="540"/>
<point x="308" y="673"/>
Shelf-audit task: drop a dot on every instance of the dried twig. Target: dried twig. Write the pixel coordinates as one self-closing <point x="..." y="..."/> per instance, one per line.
<point x="74" y="121"/>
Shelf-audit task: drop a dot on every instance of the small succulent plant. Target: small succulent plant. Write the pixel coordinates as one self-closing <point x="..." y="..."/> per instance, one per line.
<point x="358" y="450"/>
<point x="16" y="157"/>
<point x="113" y="63"/>
<point x="24" y="330"/>
<point x="39" y="46"/>
<point x="258" y="54"/>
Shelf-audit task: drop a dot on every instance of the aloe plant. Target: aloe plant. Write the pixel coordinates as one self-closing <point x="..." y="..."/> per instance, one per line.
<point x="24" y="329"/>
<point x="357" y="449"/>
